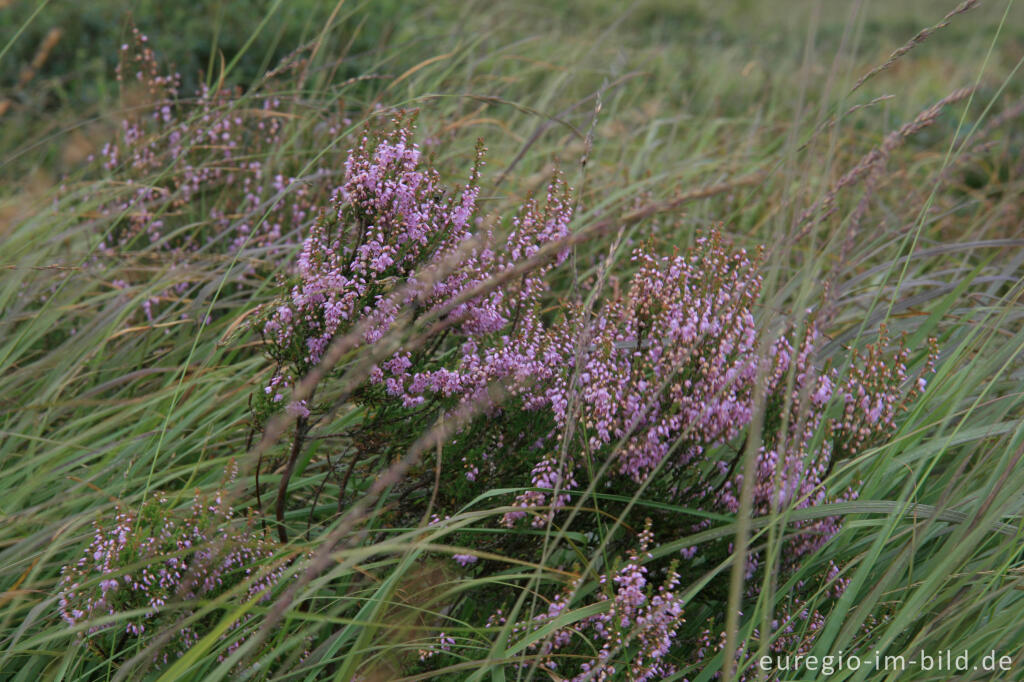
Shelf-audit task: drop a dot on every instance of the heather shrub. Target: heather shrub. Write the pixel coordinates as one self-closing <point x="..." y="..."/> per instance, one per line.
<point x="652" y="389"/>
<point x="377" y="253"/>
<point x="150" y="576"/>
<point x="194" y="180"/>
<point x="632" y="635"/>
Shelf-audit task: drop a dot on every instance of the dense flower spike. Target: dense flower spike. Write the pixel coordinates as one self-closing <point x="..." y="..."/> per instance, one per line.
<point x="674" y="359"/>
<point x="388" y="225"/>
<point x="384" y="223"/>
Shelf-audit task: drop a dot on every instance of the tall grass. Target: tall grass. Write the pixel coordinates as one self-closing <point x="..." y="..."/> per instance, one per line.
<point x="883" y="197"/>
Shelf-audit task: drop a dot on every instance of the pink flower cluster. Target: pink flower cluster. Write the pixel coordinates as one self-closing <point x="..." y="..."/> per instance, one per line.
<point x="664" y="375"/>
<point x="639" y="624"/>
<point x="193" y="174"/>
<point x="675" y="359"/>
<point x="158" y="558"/>
<point x="791" y="465"/>
<point x="372" y="254"/>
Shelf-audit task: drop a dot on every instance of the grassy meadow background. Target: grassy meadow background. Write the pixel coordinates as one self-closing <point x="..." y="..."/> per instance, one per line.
<point x="665" y="118"/>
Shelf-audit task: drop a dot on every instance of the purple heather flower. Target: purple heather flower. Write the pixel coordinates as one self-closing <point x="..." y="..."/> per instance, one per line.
<point x="465" y="559"/>
<point x="184" y="555"/>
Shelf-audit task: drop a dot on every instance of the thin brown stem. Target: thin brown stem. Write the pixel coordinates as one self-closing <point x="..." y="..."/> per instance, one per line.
<point x="286" y="475"/>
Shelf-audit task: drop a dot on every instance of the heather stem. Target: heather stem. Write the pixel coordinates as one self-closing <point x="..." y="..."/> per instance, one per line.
<point x="286" y="475"/>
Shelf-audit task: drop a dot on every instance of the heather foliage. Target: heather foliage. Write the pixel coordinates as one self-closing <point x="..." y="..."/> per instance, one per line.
<point x="638" y="624"/>
<point x="192" y="177"/>
<point x="151" y="572"/>
<point x="196" y="148"/>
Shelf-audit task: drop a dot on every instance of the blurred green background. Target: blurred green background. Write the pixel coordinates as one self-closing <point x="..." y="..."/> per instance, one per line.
<point x="59" y="56"/>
